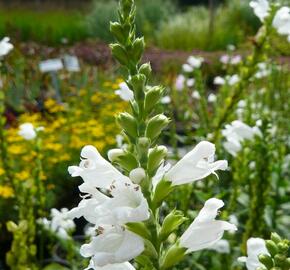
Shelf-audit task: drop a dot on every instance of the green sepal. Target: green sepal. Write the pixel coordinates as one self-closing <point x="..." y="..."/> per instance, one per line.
<point x="146" y="70"/>
<point x="162" y="190"/>
<point x="128" y="123"/>
<point x="279" y="260"/>
<point x="155" y="157"/>
<point x="140" y="229"/>
<point x="155" y="125"/>
<point x="276" y="238"/>
<point x="127" y="161"/>
<point x="138" y="84"/>
<point x="118" y="31"/>
<point x="120" y="54"/>
<point x="173" y="256"/>
<point x="137" y="49"/>
<point x="171" y="223"/>
<point x="152" y="97"/>
<point x="266" y="260"/>
<point x="272" y="247"/>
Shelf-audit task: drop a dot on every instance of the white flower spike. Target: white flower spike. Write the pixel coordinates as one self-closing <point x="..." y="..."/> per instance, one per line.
<point x="205" y="230"/>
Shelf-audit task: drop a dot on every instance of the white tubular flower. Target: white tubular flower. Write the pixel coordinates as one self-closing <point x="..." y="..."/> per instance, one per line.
<point x="222" y="246"/>
<point x="205" y="231"/>
<point x="232" y="146"/>
<point x="255" y="247"/>
<point x="5" y="46"/>
<point x="27" y="131"/>
<point x="95" y="170"/>
<point x="281" y="21"/>
<point x="124" y="92"/>
<point x="197" y="164"/>
<point x="261" y="8"/>
<point x="179" y="83"/>
<point x="116" y="266"/>
<point x="195" y="62"/>
<point x="113" y="245"/>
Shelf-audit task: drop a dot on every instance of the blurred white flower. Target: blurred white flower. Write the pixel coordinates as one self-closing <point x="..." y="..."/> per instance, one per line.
<point x="113" y="245"/>
<point x="225" y="59"/>
<point x="263" y="71"/>
<point x="166" y="100"/>
<point x="190" y="82"/>
<point x="255" y="247"/>
<point x="60" y="224"/>
<point x="124" y="92"/>
<point x="219" y="80"/>
<point x="28" y="132"/>
<point x="195" y="94"/>
<point x="261" y="8"/>
<point x="195" y="62"/>
<point x="222" y="246"/>
<point x="233" y="79"/>
<point x="211" y="98"/>
<point x="205" y="230"/>
<point x="195" y="165"/>
<point x="187" y="68"/>
<point x="236" y="59"/>
<point x="281" y="21"/>
<point x="116" y="266"/>
<point x="5" y="46"/>
<point x="179" y="83"/>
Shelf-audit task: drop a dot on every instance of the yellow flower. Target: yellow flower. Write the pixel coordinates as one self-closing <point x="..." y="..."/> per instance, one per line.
<point x="2" y="171"/>
<point x="15" y="150"/>
<point x="6" y="192"/>
<point x="23" y="175"/>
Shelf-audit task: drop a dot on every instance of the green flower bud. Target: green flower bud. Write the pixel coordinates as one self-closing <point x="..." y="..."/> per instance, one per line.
<point x="138" y="83"/>
<point x="152" y="97"/>
<point x="171" y="223"/>
<point x="11" y="226"/>
<point x="279" y="259"/>
<point x="174" y="255"/>
<point x="155" y="125"/>
<point x="266" y="260"/>
<point x="287" y="263"/>
<point x="283" y="247"/>
<point x="162" y="190"/>
<point x="272" y="247"/>
<point x="120" y="54"/>
<point x="138" y="49"/>
<point x="125" y="159"/>
<point x="275" y="238"/>
<point x="146" y="70"/>
<point x="117" y="30"/>
<point x="140" y="229"/>
<point x="155" y="157"/>
<point x="128" y="123"/>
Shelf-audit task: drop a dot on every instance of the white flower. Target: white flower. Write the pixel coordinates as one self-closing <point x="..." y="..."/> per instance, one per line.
<point x="255" y="247"/>
<point x="236" y="59"/>
<point x="222" y="246"/>
<point x="225" y="59"/>
<point x="195" y="95"/>
<point x="137" y="175"/>
<point x="127" y="204"/>
<point x="166" y="100"/>
<point x="187" y="68"/>
<point x="205" y="230"/>
<point x="263" y="71"/>
<point x="179" y="83"/>
<point x="95" y="170"/>
<point x="219" y="80"/>
<point x="27" y="131"/>
<point x="190" y="82"/>
<point x="60" y="224"/>
<point x="113" y="245"/>
<point x="197" y="164"/>
<point x="5" y="46"/>
<point x="124" y="92"/>
<point x="116" y="266"/>
<point x="233" y="79"/>
<point x="195" y="62"/>
<point x="235" y="133"/>
<point x="281" y="21"/>
<point x="212" y="98"/>
<point x="261" y="8"/>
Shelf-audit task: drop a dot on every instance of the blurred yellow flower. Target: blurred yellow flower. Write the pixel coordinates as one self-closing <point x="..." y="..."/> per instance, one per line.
<point x="6" y="192"/>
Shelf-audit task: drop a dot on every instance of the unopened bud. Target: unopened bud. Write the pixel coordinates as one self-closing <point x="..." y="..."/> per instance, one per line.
<point x="138" y="83"/>
<point x="146" y="70"/>
<point x="137" y="175"/>
<point x="117" y="30"/>
<point x="174" y="255"/>
<point x="155" y="157"/>
<point x="123" y="158"/>
<point x="272" y="247"/>
<point x="152" y="97"/>
<point x="120" y="54"/>
<point x="266" y="260"/>
<point x="275" y="238"/>
<point x="156" y="125"/>
<point x="128" y="123"/>
<point x="138" y="49"/>
<point x="279" y="259"/>
<point x="113" y="154"/>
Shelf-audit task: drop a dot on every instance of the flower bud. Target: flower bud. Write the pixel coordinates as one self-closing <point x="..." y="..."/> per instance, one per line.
<point x="279" y="260"/>
<point x="162" y="190"/>
<point x="174" y="255"/>
<point x="152" y="97"/>
<point x="155" y="157"/>
<point x="120" y="54"/>
<point x="283" y="247"/>
<point x="275" y="238"/>
<point x="117" y="30"/>
<point x="128" y="123"/>
<point x="11" y="226"/>
<point x="146" y="70"/>
<point x="155" y="125"/>
<point x="138" y="49"/>
<point x="171" y="223"/>
<point x="138" y="83"/>
<point x="272" y="247"/>
<point x="137" y="175"/>
<point x="113" y="154"/>
<point x="266" y="260"/>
